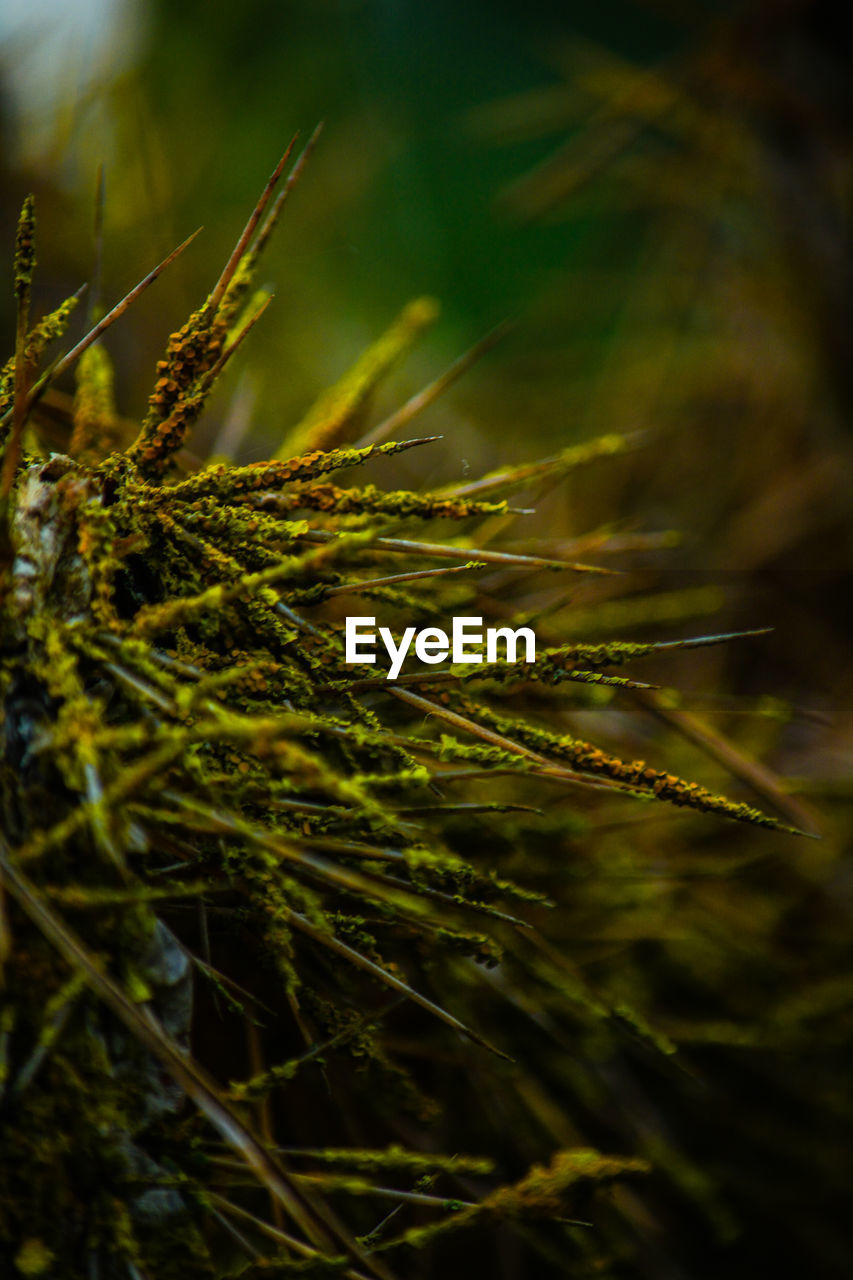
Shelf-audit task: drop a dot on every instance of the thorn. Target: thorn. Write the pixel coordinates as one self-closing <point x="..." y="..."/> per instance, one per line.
<point x="94" y="334"/>
<point x="248" y="231"/>
<point x="292" y="179"/>
<point x="417" y="403"/>
<point x="696" y="642"/>
<point x="238" y="340"/>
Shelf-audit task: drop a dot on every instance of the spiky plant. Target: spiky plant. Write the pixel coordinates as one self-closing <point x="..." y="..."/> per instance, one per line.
<point x="203" y="803"/>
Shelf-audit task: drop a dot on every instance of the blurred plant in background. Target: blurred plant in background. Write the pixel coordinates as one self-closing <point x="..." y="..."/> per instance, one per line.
<point x="667" y="214"/>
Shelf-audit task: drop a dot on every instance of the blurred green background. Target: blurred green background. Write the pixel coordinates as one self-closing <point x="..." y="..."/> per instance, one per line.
<point x="659" y="195"/>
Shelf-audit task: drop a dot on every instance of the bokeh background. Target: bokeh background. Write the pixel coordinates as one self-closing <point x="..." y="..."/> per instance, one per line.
<point x="658" y="195"/>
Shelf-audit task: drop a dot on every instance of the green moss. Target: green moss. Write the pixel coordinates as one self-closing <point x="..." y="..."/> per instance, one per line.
<point x="179" y="726"/>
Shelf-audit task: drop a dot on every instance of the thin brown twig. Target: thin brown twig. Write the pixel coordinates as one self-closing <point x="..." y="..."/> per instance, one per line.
<point x="242" y="244"/>
<point x="425" y="397"/>
<point x="99" y="329"/>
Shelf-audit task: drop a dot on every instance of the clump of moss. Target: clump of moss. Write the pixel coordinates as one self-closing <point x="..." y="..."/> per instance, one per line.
<point x="201" y="800"/>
